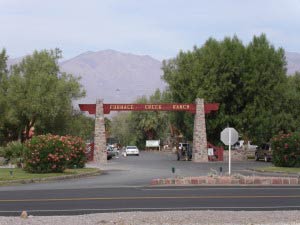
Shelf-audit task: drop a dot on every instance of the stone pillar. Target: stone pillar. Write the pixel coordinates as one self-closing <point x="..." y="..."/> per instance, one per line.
<point x="100" y="154"/>
<point x="199" y="139"/>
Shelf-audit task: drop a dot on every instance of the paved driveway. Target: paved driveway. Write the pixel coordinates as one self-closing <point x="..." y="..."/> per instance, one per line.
<point x="140" y="170"/>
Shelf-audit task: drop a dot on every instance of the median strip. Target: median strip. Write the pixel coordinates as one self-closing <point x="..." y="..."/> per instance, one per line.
<point x="227" y="180"/>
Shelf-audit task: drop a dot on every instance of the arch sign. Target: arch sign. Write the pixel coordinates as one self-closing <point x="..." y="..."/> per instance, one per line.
<point x="107" y="108"/>
<point x="199" y="109"/>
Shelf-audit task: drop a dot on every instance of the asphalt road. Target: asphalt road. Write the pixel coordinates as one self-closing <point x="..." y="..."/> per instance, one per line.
<point x="124" y="186"/>
<point x="137" y="171"/>
<point x="82" y="201"/>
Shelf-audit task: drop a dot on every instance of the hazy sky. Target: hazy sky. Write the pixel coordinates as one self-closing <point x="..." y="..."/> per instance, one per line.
<point x="158" y="28"/>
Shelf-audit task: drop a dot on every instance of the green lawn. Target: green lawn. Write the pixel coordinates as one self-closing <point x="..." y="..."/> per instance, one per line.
<point x="279" y="169"/>
<point x="19" y="174"/>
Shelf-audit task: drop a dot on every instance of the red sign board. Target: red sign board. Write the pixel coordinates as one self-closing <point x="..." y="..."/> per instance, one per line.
<point x="91" y="108"/>
<point x="149" y="107"/>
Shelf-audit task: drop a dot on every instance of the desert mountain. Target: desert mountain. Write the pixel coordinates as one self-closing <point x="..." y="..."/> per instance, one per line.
<point x="114" y="76"/>
<point x="293" y="62"/>
<point x="13" y="61"/>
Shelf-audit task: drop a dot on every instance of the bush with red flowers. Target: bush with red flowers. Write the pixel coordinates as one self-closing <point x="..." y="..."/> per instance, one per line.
<point x="53" y="153"/>
<point x="286" y="150"/>
<point x="77" y="154"/>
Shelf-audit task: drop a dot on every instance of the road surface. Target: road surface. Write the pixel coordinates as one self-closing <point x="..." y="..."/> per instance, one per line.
<point x="91" y="200"/>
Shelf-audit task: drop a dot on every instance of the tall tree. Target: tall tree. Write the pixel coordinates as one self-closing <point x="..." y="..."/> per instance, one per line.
<point x="80" y="125"/>
<point x="245" y="80"/>
<point x="123" y="129"/>
<point x="289" y="118"/>
<point x="5" y="111"/>
<point x="40" y="94"/>
<point x="137" y="127"/>
<point x="3" y="84"/>
<point x="264" y="84"/>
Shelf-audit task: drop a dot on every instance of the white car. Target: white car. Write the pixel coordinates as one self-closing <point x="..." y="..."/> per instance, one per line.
<point x="132" y="150"/>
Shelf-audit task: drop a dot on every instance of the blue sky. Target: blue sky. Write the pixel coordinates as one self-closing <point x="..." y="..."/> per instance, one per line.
<point x="158" y="28"/>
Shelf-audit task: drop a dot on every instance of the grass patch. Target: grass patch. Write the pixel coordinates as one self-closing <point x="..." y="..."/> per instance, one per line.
<point x="279" y="169"/>
<point x="250" y="157"/>
<point x="19" y="174"/>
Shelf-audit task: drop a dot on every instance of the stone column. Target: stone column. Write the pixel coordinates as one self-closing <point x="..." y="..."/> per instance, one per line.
<point x="199" y="139"/>
<point x="100" y="154"/>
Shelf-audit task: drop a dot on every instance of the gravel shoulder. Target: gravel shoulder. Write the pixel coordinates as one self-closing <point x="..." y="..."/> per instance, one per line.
<point x="167" y="217"/>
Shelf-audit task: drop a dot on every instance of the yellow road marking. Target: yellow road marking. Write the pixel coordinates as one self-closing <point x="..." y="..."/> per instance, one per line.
<point x="149" y="197"/>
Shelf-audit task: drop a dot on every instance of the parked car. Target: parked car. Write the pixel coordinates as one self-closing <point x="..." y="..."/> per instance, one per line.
<point x="132" y="150"/>
<point x="110" y="152"/>
<point x="241" y="144"/>
<point x="264" y="152"/>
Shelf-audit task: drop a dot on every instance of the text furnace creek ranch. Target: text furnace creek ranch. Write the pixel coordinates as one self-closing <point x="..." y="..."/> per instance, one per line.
<point x="91" y="108"/>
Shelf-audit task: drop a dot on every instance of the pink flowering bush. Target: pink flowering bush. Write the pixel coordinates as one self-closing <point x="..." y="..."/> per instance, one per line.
<point x="77" y="155"/>
<point x="53" y="153"/>
<point x="286" y="150"/>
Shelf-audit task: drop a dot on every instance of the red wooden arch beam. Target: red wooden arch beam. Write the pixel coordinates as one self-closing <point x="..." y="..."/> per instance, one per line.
<point x="107" y="108"/>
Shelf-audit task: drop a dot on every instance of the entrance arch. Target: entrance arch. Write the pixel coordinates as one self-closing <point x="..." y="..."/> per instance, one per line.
<point x="199" y="136"/>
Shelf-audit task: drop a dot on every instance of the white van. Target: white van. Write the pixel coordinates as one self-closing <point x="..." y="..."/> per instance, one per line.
<point x="245" y="146"/>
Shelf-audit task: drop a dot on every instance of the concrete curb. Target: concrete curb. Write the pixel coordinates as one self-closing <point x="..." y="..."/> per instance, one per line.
<point x="227" y="180"/>
<point x="39" y="180"/>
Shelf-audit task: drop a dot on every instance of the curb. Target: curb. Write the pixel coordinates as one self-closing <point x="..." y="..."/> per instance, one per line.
<point x="227" y="180"/>
<point x="40" y="180"/>
<point x="277" y="172"/>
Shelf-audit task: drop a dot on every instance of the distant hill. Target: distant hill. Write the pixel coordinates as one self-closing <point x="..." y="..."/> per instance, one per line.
<point x="13" y="61"/>
<point x="122" y="77"/>
<point x="114" y="76"/>
<point x="293" y="60"/>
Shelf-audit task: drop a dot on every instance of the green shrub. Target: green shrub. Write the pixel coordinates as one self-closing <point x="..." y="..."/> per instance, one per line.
<point x="13" y="152"/>
<point x="52" y="153"/>
<point x="77" y="156"/>
<point x="286" y="150"/>
<point x="2" y="152"/>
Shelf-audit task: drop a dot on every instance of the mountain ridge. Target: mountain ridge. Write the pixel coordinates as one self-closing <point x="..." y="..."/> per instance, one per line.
<point x="115" y="76"/>
<point x="293" y="60"/>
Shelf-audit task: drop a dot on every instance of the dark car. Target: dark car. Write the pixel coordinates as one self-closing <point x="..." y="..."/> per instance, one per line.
<point x="110" y="152"/>
<point x="264" y="152"/>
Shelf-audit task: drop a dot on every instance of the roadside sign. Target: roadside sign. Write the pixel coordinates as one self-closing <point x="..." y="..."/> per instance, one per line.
<point x="152" y="143"/>
<point x="210" y="151"/>
<point x="229" y="136"/>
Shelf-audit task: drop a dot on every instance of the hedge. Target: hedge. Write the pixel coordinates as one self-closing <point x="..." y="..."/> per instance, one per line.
<point x="286" y="150"/>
